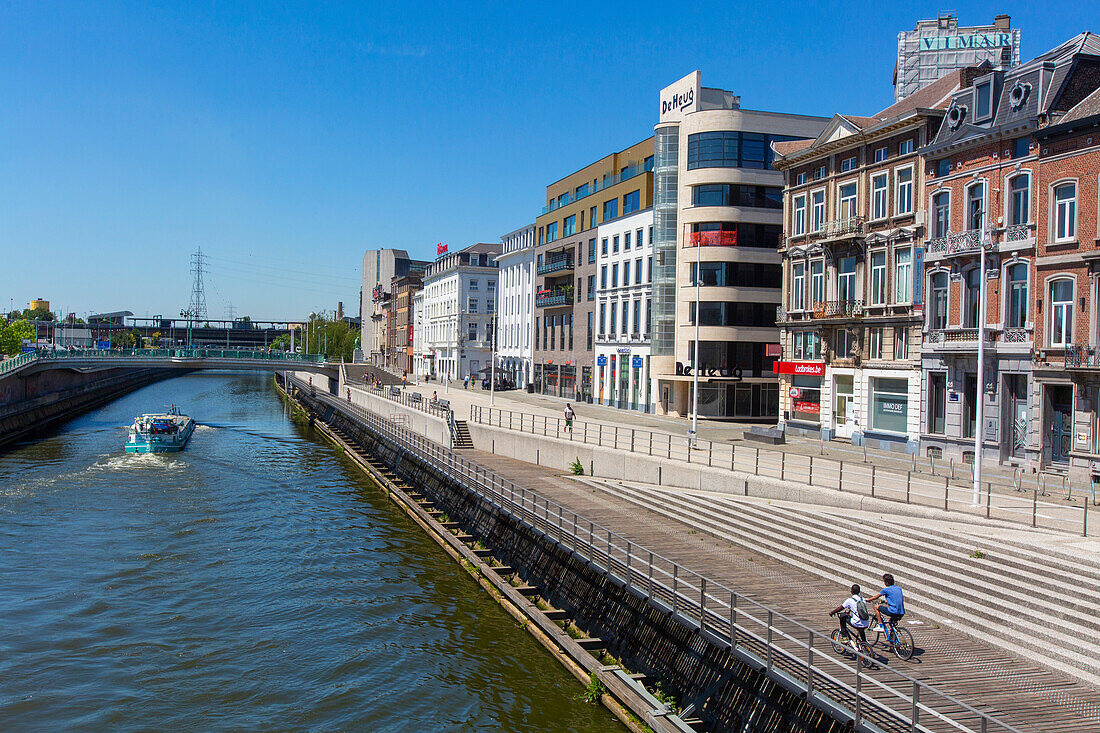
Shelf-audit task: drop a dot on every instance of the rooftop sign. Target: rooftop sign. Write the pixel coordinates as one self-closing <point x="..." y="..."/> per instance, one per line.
<point x="681" y="98"/>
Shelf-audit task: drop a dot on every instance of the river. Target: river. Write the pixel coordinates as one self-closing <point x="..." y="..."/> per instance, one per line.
<point x="254" y="581"/>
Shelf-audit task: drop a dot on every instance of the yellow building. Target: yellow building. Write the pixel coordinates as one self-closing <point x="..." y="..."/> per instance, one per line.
<point x="39" y="304"/>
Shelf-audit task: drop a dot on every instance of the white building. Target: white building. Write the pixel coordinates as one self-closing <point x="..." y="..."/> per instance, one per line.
<point x="515" y="305"/>
<point x="624" y="271"/>
<point x="459" y="308"/>
<point x="420" y="366"/>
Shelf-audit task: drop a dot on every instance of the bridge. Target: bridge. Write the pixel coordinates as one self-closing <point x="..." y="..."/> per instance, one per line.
<point x="189" y="359"/>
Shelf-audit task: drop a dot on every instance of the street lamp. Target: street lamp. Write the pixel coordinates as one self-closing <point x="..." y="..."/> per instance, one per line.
<point x="694" y="433"/>
<point x="492" y="360"/>
<point x="979" y="417"/>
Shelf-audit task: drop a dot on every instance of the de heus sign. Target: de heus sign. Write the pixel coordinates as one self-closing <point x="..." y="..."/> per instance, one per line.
<point x="681" y="98"/>
<point x="686" y="370"/>
<point x="678" y="102"/>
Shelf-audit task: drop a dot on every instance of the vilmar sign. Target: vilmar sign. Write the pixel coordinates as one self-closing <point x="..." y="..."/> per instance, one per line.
<point x="969" y="40"/>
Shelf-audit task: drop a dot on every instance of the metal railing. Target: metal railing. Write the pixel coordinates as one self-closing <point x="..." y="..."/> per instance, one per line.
<point x="17" y="361"/>
<point x="838" y="309"/>
<point x="412" y="400"/>
<point x="611" y="180"/>
<point x="792" y="654"/>
<point x="841" y="227"/>
<point x="547" y="300"/>
<point x="946" y="489"/>
<point x="956" y="243"/>
<point x="1081" y="357"/>
<point x="188" y="353"/>
<point x="556" y="266"/>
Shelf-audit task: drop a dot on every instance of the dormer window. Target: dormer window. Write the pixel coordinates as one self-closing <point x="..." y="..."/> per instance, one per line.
<point x="983" y="95"/>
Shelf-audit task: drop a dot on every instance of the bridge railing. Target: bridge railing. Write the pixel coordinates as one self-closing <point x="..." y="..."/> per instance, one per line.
<point x="17" y="361"/>
<point x="185" y="353"/>
<point x="855" y="688"/>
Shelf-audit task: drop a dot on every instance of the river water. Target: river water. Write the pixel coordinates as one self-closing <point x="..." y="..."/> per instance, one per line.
<point x="255" y="581"/>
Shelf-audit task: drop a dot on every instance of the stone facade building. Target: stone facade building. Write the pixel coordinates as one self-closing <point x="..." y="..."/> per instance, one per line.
<point x="516" y="305"/>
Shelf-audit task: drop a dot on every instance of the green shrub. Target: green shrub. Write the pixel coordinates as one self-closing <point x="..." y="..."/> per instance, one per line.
<point x="594" y="690"/>
<point x="577" y="467"/>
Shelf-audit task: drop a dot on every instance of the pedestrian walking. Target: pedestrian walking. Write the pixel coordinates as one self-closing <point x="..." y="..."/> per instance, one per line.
<point x="569" y="415"/>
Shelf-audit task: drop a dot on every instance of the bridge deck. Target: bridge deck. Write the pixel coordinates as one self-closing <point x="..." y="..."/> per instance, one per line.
<point x="1020" y="693"/>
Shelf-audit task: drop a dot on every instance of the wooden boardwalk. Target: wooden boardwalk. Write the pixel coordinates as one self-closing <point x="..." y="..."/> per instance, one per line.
<point x="1019" y="692"/>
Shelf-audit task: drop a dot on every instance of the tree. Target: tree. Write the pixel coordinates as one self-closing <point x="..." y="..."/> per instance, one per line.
<point x="39" y="314"/>
<point x="156" y="338"/>
<point x="12" y="334"/>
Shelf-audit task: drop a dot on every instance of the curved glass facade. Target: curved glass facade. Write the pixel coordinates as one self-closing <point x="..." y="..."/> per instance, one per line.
<point x="665" y="204"/>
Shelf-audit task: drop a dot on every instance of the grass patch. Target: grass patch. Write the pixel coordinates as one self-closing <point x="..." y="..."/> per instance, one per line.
<point x="665" y="698"/>
<point x="577" y="467"/>
<point x="978" y="554"/>
<point x="594" y="690"/>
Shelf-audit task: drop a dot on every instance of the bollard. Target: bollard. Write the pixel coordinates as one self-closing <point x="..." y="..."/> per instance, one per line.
<point x="1034" y="504"/>
<point x="988" y="497"/>
<point x="908" y="484"/>
<point x="1085" y="518"/>
<point x="811" y="476"/>
<point x="840" y="477"/>
<point x="872" y="481"/>
<point x="946" y="486"/>
<point x="951" y="462"/>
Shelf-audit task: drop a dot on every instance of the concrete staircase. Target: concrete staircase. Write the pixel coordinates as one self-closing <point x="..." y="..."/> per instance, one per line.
<point x="1038" y="603"/>
<point x="461" y="437"/>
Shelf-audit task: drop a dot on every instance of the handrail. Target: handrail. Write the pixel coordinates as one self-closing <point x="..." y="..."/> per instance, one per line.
<point x="912" y="486"/>
<point x="177" y="353"/>
<point x="701" y="603"/>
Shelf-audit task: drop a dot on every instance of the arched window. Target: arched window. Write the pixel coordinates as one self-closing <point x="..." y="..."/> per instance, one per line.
<point x="973" y="297"/>
<point x="1061" y="312"/>
<point x="1017" y="296"/>
<point x="1019" y="199"/>
<point x="1065" y="211"/>
<point x="937" y="302"/>
<point x="975" y="206"/>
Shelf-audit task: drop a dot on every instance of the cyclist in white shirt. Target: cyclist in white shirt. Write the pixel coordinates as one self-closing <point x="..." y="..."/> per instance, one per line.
<point x="855" y="613"/>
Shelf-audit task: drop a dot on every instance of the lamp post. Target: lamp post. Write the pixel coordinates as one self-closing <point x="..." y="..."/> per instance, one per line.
<point x="979" y="414"/>
<point x="694" y="433"/>
<point x="492" y="360"/>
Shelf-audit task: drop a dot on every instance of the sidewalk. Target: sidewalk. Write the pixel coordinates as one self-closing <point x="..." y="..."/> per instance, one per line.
<point x="1002" y="478"/>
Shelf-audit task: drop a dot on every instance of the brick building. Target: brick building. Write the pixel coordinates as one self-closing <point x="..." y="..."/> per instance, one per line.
<point x="985" y="189"/>
<point x="850" y="318"/>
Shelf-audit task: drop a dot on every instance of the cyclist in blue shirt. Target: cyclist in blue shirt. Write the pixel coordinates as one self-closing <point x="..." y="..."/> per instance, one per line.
<point x="895" y="602"/>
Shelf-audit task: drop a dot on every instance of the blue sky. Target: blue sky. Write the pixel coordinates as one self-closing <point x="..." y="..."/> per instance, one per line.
<point x="286" y="138"/>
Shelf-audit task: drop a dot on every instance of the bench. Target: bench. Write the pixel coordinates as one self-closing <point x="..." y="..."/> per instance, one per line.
<point x="444" y="404"/>
<point x="395" y="391"/>
<point x="414" y="397"/>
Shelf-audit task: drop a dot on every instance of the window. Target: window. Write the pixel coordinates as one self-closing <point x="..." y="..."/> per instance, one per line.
<point x="846" y="279"/>
<point x="471" y="305"/>
<point x="1065" y="212"/>
<point x="878" y="196"/>
<point x="626" y="242"/>
<point x="615" y="244"/>
<point x="491" y="285"/>
<point x="1061" y="312"/>
<point x="847" y="202"/>
<point x="610" y="209"/>
<point x="800" y="179"/>
<point x="614" y="317"/>
<point x="878" y="278"/>
<point x="626" y="315"/>
<point x="903" y="195"/>
<point x="638" y="241"/>
<point x="817" y="282"/>
<point x="588" y="333"/>
<point x="631" y="202"/>
<point x="732" y="194"/>
<point x="903" y="274"/>
<point x="592" y="250"/>
<point x="818" y="198"/>
<point x="973" y="297"/>
<point x="648" y="313"/>
<point x="603" y="277"/>
<point x="984" y="100"/>
<point x="731" y="149"/>
<point x="490" y="305"/>
<point x="638" y="271"/>
<point x="848" y="164"/>
<point x="473" y="284"/>
<point x="637" y="308"/>
<point x="649" y="269"/>
<point x="937" y="402"/>
<point x="592" y="217"/>
<point x="889" y="404"/>
<point x="738" y="274"/>
<point x="626" y="273"/>
<point x="807" y="345"/>
<point x="1019" y="196"/>
<point x="975" y="206"/>
<point x="798" y="220"/>
<point x="1017" y="296"/>
<point x="820" y="172"/>
<point x="937" y="303"/>
<point x="875" y="346"/>
<point x="798" y="286"/>
<point x="615" y="275"/>
<point x="941" y="214"/>
<point x="844" y="343"/>
<point x="901" y="343"/>
<point x="1021" y="146"/>
<point x="880" y="155"/>
<point x="905" y="147"/>
<point x="570" y="226"/>
<point x="603" y="318"/>
<point x="591" y="287"/>
<point x="471" y="333"/>
<point x="970" y="400"/>
<point x="551" y="231"/>
<point x="943" y="167"/>
<point x="603" y="246"/>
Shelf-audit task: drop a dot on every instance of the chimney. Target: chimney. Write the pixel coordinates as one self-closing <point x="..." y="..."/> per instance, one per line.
<point x="1002" y="22"/>
<point x="339" y="309"/>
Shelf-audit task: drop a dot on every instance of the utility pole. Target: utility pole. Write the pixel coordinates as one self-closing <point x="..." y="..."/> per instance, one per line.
<point x="979" y="414"/>
<point x="695" y="363"/>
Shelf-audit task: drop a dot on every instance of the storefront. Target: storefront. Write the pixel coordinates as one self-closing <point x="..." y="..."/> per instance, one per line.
<point x="800" y="386"/>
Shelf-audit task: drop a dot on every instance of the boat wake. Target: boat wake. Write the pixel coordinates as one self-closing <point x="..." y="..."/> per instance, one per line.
<point x="137" y="461"/>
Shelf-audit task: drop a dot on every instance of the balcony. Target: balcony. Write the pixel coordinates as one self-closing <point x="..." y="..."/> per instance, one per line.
<point x="956" y="243"/>
<point x="839" y="228"/>
<point x="956" y="339"/>
<point x="563" y="265"/>
<point x="1081" y="357"/>
<point x="572" y="197"/>
<point x="830" y="309"/>
<point x="551" y="298"/>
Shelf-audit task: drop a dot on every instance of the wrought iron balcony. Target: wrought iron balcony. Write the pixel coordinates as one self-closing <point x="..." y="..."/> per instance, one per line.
<point x="838" y="309"/>
<point x="966" y="338"/>
<point x="547" y="298"/>
<point x="838" y="228"/>
<point x="561" y="265"/>
<point x="1081" y="357"/>
<point x="956" y="243"/>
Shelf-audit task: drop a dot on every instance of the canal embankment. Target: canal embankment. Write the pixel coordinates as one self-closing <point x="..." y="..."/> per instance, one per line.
<point x="644" y="650"/>
<point x="37" y="402"/>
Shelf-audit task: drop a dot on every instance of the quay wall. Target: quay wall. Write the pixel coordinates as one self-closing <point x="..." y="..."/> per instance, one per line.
<point x="34" y="403"/>
<point x="646" y="638"/>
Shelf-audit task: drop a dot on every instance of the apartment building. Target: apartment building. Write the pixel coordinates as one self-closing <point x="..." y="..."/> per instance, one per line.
<point x="460" y="296"/>
<point x="935" y="48"/>
<point x="990" y="186"/>
<point x="851" y="313"/>
<point x="421" y="366"/>
<point x="717" y="216"/>
<point x="380" y="267"/>
<point x="617" y="185"/>
<point x="516" y="306"/>
<point x="399" y="332"/>
<point x="624" y="263"/>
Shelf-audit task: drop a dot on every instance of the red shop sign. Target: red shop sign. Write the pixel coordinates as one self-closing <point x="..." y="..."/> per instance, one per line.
<point x="812" y="407"/>
<point x="807" y="368"/>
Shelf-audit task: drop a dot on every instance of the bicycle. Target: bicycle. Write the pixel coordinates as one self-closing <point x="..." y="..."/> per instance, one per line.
<point x="899" y="639"/>
<point x="850" y="642"/>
